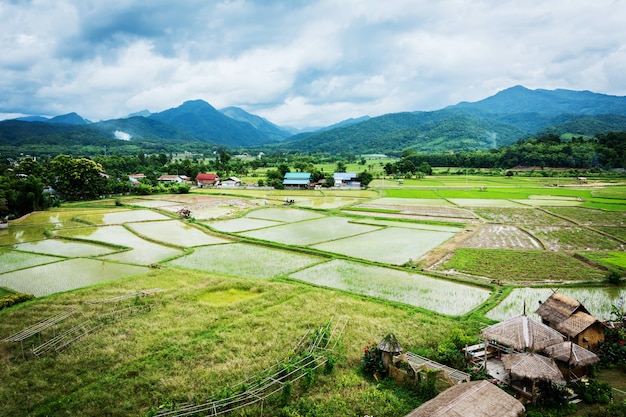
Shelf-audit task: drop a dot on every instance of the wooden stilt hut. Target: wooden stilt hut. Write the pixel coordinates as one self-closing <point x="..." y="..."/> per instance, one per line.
<point x="531" y="367"/>
<point x="573" y="360"/>
<point x="389" y="347"/>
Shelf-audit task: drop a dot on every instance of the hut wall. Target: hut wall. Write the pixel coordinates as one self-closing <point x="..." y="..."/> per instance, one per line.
<point x="591" y="336"/>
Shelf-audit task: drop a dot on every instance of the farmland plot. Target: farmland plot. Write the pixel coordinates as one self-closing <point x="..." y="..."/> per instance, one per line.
<point x="66" y="275"/>
<point x="283" y="214"/>
<point x="142" y="252"/>
<point x="417" y="290"/>
<point x="176" y="233"/>
<point x="240" y="259"/>
<point x="484" y="202"/>
<point x="496" y="236"/>
<point x="593" y="217"/>
<point x="574" y="238"/>
<point x="241" y="224"/>
<point x="11" y="260"/>
<point x="597" y="300"/>
<point x="67" y="248"/>
<point x="120" y="217"/>
<point x="520" y="266"/>
<point x="408" y="225"/>
<point x="311" y="231"/>
<point x="392" y="245"/>
<point x="520" y="216"/>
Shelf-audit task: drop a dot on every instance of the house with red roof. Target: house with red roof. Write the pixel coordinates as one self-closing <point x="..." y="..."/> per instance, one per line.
<point x="207" y="180"/>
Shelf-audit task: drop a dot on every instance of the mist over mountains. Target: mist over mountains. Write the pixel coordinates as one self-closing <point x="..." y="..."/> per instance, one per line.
<point x="499" y="120"/>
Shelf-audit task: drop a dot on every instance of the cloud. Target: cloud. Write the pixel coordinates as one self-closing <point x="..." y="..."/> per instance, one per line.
<point x="300" y="63"/>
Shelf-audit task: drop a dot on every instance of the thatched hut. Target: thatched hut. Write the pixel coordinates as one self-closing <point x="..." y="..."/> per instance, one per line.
<point x="389" y="348"/>
<point x="573" y="360"/>
<point x="527" y="368"/>
<point x="571" y="318"/>
<point x="522" y="333"/>
<point x="470" y="399"/>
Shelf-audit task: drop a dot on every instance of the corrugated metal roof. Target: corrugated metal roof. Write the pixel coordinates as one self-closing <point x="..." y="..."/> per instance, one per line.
<point x="298" y="176"/>
<point x="295" y="182"/>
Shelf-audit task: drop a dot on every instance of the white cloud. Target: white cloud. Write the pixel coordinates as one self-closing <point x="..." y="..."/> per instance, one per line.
<point x="300" y="63"/>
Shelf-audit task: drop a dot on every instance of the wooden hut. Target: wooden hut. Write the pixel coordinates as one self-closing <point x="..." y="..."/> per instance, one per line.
<point x="527" y="368"/>
<point x="521" y="333"/>
<point x="573" y="360"/>
<point x="571" y="318"/>
<point x="471" y="399"/>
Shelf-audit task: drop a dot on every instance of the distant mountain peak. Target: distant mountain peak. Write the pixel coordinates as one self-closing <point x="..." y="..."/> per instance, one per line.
<point x="69" y="119"/>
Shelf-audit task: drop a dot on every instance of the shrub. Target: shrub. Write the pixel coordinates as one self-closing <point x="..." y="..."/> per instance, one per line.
<point x="372" y="360"/>
<point x="13" y="299"/>
<point x="593" y="391"/>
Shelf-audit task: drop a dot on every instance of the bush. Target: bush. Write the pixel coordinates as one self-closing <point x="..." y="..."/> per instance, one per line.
<point x="593" y="392"/>
<point x="13" y="299"/>
<point x="372" y="360"/>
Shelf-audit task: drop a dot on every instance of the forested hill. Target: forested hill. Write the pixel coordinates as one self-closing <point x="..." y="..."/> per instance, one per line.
<point x="500" y="120"/>
<point x="503" y="119"/>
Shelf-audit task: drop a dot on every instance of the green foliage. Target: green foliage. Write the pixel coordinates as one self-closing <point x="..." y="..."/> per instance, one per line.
<point x="612" y="410"/>
<point x="612" y="351"/>
<point x="13" y="299"/>
<point x="372" y="360"/>
<point x="593" y="392"/>
<point x="614" y="278"/>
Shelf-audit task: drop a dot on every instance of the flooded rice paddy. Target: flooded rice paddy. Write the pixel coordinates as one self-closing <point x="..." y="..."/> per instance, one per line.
<point x="417" y="290"/>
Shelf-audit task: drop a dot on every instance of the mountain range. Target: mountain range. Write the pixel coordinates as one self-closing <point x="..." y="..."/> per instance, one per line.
<point x="502" y="119"/>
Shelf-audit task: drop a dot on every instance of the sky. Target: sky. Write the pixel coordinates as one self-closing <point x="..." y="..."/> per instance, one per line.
<point x="300" y="63"/>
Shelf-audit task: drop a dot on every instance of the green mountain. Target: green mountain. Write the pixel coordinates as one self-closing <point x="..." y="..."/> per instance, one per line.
<point x="269" y="129"/>
<point x="500" y="120"/>
<point x="207" y="123"/>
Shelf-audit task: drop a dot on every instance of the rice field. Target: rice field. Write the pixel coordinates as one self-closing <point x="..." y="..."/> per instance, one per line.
<point x="120" y="217"/>
<point x="65" y="248"/>
<point x="437" y="295"/>
<point x="391" y="201"/>
<point x="575" y="238"/>
<point x="283" y="214"/>
<point x="593" y="216"/>
<point x="392" y="245"/>
<point x="244" y="260"/>
<point x="141" y="251"/>
<point x="11" y="260"/>
<point x="408" y="225"/>
<point x="241" y="224"/>
<point x="66" y="275"/>
<point x="497" y="236"/>
<point x="175" y="232"/>
<point x="311" y="231"/>
<point x="484" y="202"/>
<point x="597" y="300"/>
<point x="521" y="216"/>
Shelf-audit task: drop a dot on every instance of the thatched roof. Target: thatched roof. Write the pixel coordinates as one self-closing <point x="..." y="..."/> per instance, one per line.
<point x="522" y="333"/>
<point x="575" y="324"/>
<point x="470" y="399"/>
<point x="572" y="354"/>
<point x="559" y="307"/>
<point x="532" y="366"/>
<point x="390" y="344"/>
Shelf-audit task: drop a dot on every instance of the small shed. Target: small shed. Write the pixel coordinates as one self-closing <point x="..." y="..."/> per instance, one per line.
<point x="470" y="399"/>
<point x="571" y="318"/>
<point x="390" y="347"/>
<point x="346" y="179"/>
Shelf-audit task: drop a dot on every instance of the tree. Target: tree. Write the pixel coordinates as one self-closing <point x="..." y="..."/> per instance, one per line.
<point x="341" y="166"/>
<point x="78" y="178"/>
<point x="364" y="178"/>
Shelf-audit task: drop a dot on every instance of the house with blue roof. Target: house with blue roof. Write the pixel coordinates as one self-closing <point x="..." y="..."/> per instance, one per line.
<point x="297" y="180"/>
<point x="346" y="179"/>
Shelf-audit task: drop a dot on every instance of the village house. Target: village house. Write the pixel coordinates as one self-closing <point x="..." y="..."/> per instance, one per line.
<point x="179" y="179"/>
<point x="571" y="318"/>
<point x="231" y="182"/>
<point x="134" y="178"/>
<point x="346" y="179"/>
<point x="207" y="180"/>
<point x="297" y="180"/>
